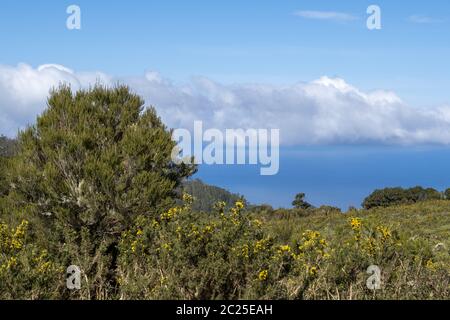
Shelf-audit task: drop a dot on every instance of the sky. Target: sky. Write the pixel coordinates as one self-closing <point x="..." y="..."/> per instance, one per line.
<point x="357" y="109"/>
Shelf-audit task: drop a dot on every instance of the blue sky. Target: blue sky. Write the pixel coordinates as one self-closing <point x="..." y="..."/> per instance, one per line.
<point x="240" y="41"/>
<point x="234" y="43"/>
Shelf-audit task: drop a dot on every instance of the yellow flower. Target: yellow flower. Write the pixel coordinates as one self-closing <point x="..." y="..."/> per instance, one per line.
<point x="239" y="204"/>
<point x="257" y="223"/>
<point x="16" y="244"/>
<point x="312" y="271"/>
<point x="356" y="224"/>
<point x="11" y="263"/>
<point x="261" y="245"/>
<point x="208" y="229"/>
<point x="431" y="265"/>
<point x="188" y="199"/>
<point x="139" y="232"/>
<point x="262" y="276"/>
<point x="244" y="251"/>
<point x="172" y="213"/>
<point x="134" y="246"/>
<point x="370" y="246"/>
<point x="285" y="248"/>
<point x="385" y="232"/>
<point x="220" y="206"/>
<point x="43" y="268"/>
<point x="310" y="235"/>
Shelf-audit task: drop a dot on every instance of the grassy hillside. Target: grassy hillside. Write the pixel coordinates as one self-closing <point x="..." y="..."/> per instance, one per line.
<point x="205" y="195"/>
<point x="429" y="220"/>
<point x="410" y="244"/>
<point x="253" y="254"/>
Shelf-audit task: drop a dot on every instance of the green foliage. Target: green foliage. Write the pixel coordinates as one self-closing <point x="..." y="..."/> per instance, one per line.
<point x="7" y="147"/>
<point x="186" y="255"/>
<point x="7" y="150"/>
<point x="205" y="196"/>
<point x="183" y="254"/>
<point x="94" y="161"/>
<point x="300" y="203"/>
<point x="328" y="210"/>
<point x="93" y="184"/>
<point x="237" y="255"/>
<point x="25" y="271"/>
<point x="408" y="242"/>
<point x="3" y="182"/>
<point x="447" y="194"/>
<point x="394" y="196"/>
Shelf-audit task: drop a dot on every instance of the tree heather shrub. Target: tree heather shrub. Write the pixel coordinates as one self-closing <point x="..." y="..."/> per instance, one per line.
<point x="93" y="162"/>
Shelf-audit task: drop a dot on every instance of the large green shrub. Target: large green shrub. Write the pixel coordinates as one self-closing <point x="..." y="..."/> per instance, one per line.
<point x="93" y="162"/>
<point x="447" y="194"/>
<point x="186" y="255"/>
<point x="395" y="196"/>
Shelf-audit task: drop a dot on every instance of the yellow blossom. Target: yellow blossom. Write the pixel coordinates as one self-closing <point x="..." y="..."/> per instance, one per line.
<point x="261" y="245"/>
<point x="262" y="276"/>
<point x="312" y="271"/>
<point x="356" y="224"/>
<point x="257" y="223"/>
<point x="385" y="232"/>
<point x="188" y="199"/>
<point x="430" y="265"/>
<point x="239" y="204"/>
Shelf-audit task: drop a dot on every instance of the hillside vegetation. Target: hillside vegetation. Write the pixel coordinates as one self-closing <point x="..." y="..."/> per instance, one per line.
<point x="206" y="196"/>
<point x="409" y="243"/>
<point x="92" y="185"/>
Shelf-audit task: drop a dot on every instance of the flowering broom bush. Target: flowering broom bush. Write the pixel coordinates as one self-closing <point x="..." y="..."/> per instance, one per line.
<point x="25" y="271"/>
<point x="183" y="254"/>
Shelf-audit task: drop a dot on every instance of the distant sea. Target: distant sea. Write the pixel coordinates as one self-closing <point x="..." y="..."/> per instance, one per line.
<point x="341" y="176"/>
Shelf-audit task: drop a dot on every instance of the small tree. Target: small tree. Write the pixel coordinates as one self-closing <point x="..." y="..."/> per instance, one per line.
<point x="93" y="162"/>
<point x="300" y="203"/>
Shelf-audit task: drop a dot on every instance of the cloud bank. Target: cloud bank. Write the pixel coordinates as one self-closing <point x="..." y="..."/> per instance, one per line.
<point x="326" y="15"/>
<point x="324" y="111"/>
<point x="422" y="19"/>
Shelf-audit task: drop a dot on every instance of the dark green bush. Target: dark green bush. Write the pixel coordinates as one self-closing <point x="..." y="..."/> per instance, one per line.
<point x="395" y="196"/>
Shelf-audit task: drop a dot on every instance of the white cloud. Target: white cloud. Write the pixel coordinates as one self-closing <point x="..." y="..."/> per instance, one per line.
<point x="326" y="15"/>
<point x="23" y="91"/>
<point x="327" y="110"/>
<point x="423" y="19"/>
